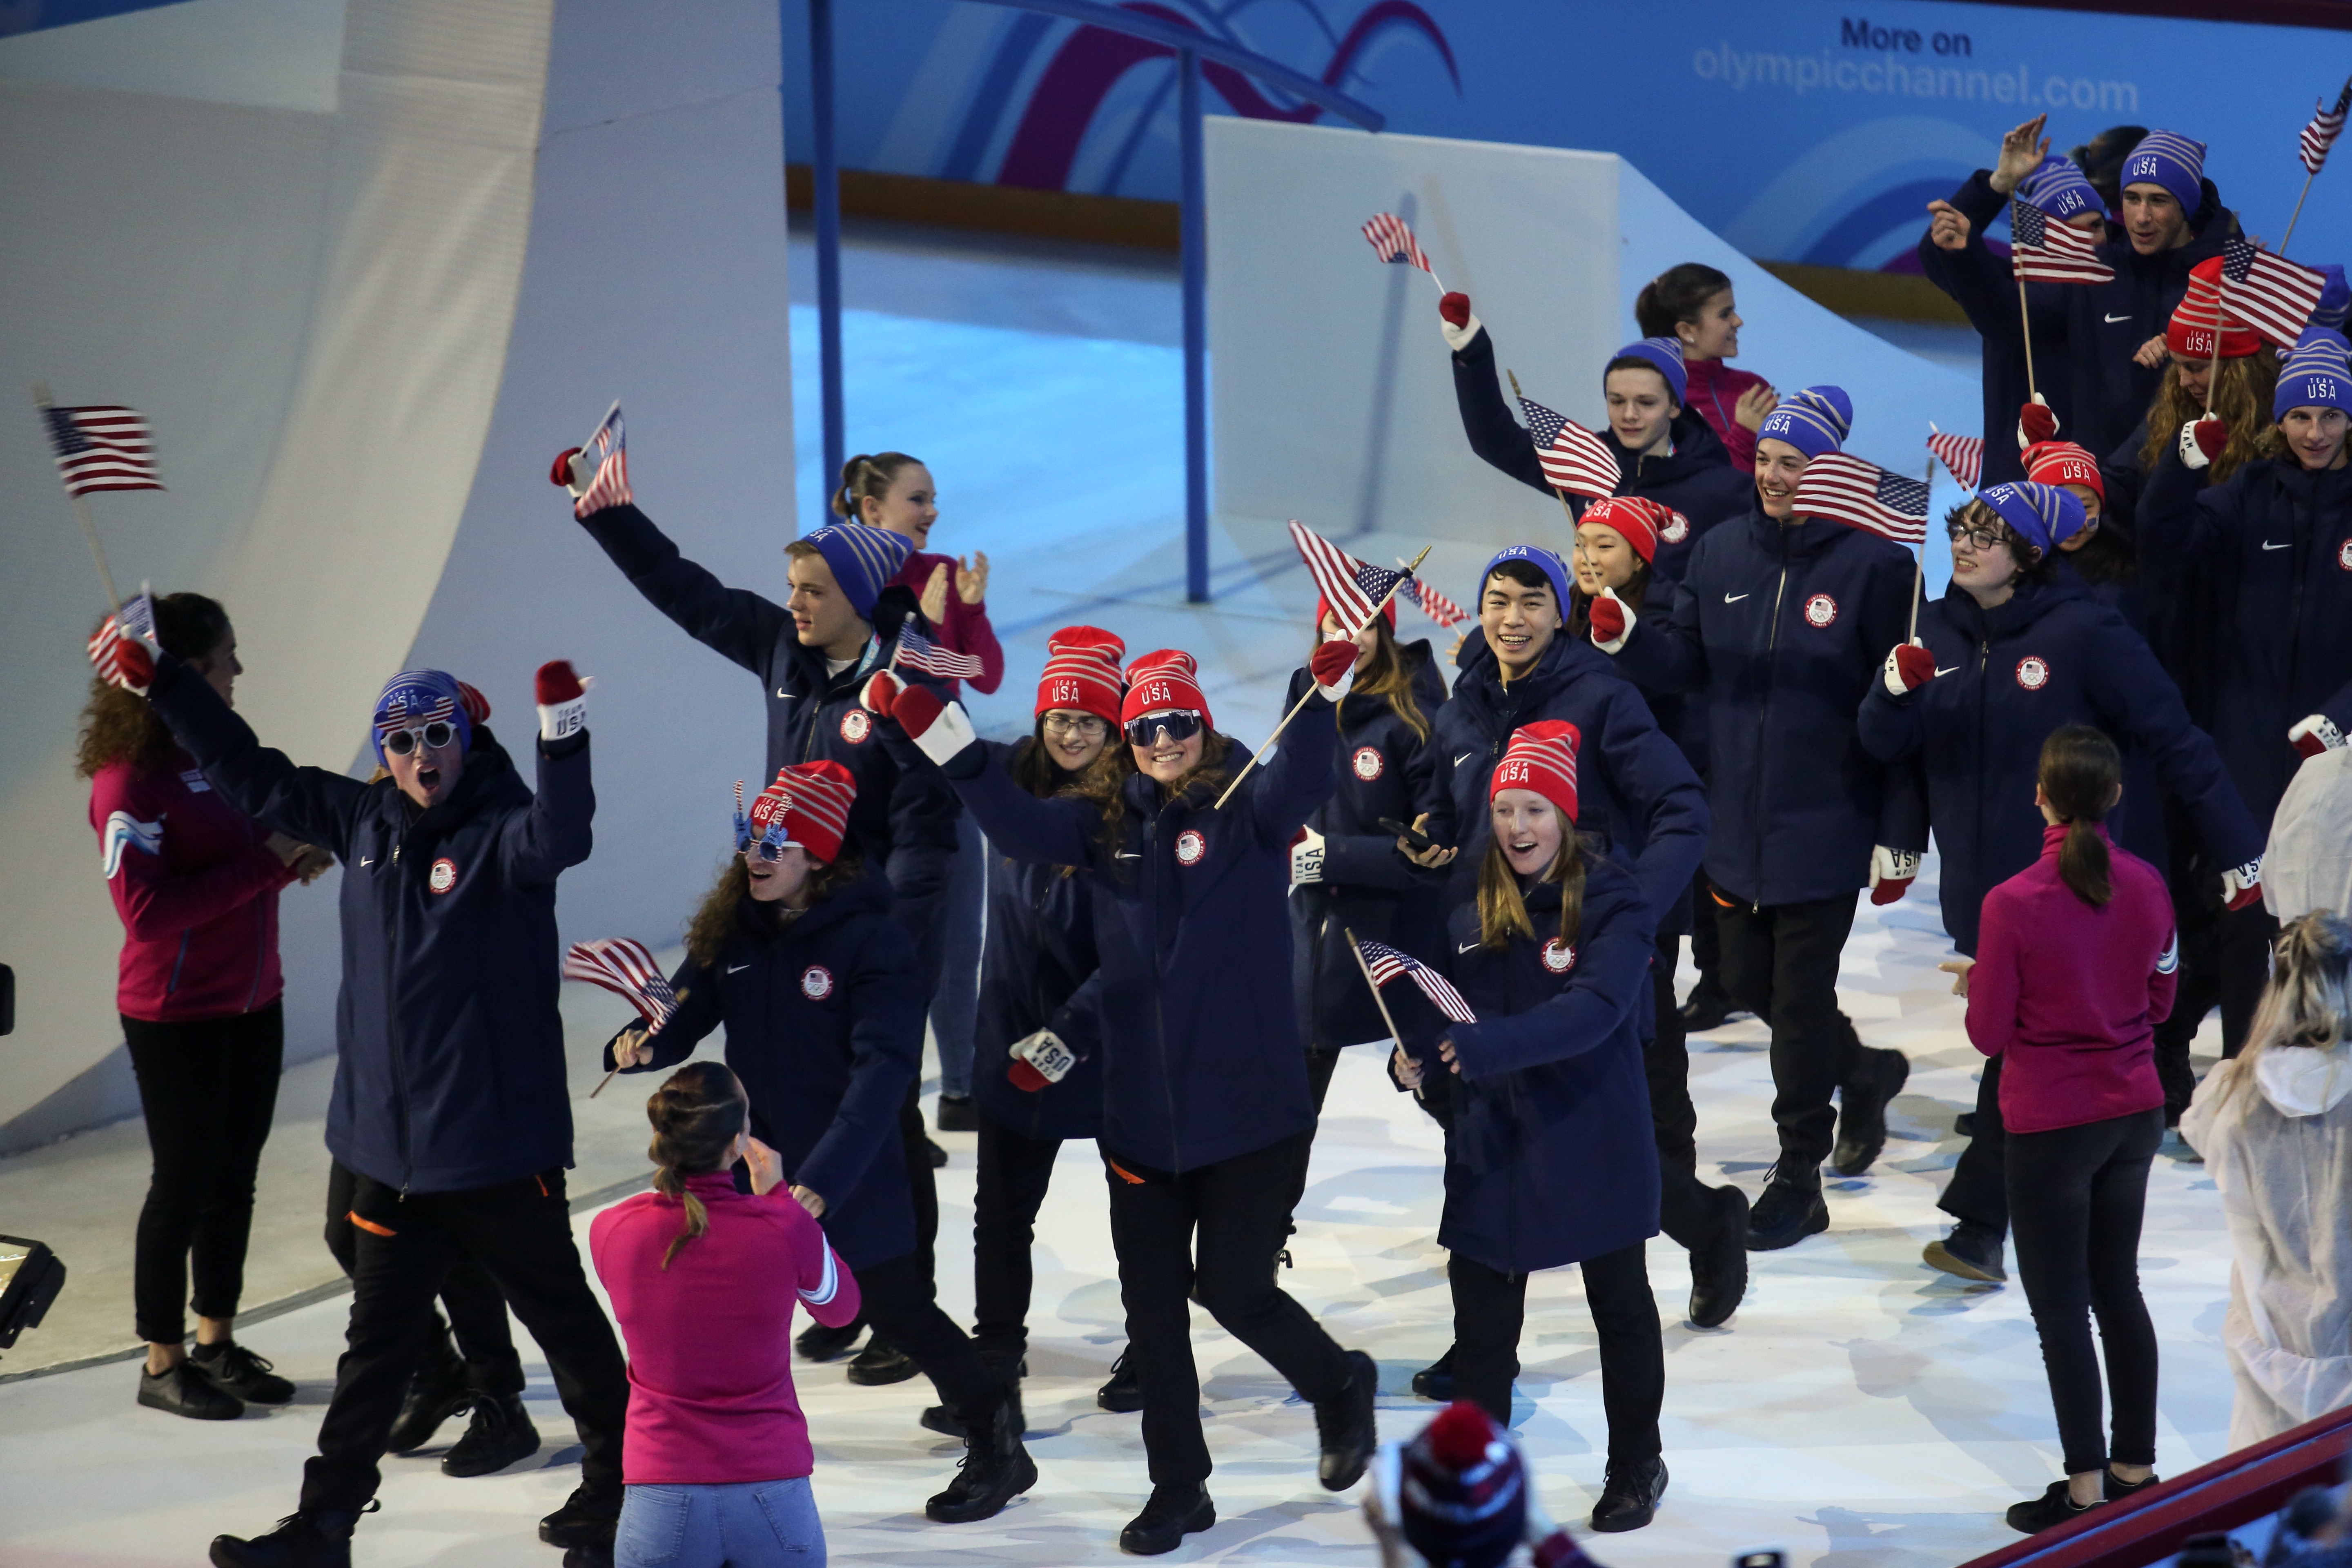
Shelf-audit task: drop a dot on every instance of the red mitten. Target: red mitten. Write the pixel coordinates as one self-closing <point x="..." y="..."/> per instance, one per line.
<point x="2317" y="734"/>
<point x="2201" y="440"/>
<point x="1455" y="309"/>
<point x="560" y="473"/>
<point x="1333" y="665"/>
<point x="881" y="694"/>
<point x="2035" y="423"/>
<point x="940" y="729"/>
<point x="1610" y="617"/>
<point x="562" y="698"/>
<point x="2243" y="885"/>
<point x="1892" y="872"/>
<point x="1908" y="667"/>
<point x="1455" y="319"/>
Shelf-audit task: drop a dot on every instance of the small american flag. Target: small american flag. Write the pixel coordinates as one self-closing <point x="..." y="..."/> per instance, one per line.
<point x="1436" y="606"/>
<point x="609" y="449"/>
<point x="1385" y="963"/>
<point x="111" y="642"/>
<point x="2327" y="124"/>
<point x="103" y="448"/>
<point x="2044" y="250"/>
<point x="1573" y="459"/>
<point x="1843" y="489"/>
<point x="1391" y="239"/>
<point x="1352" y="588"/>
<point x="1962" y="456"/>
<point x="626" y="968"/>
<point x="2269" y="293"/>
<point x="917" y="651"/>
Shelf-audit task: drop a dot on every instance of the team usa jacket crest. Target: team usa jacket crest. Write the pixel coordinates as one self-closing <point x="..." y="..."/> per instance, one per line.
<point x="825" y="1027"/>
<point x="904" y="821"/>
<point x="2273" y="546"/>
<point x="1784" y="627"/>
<point x="1201" y="1060"/>
<point x="1551" y="1159"/>
<point x="1382" y="769"/>
<point x="449" y="1069"/>
<point x="2005" y="677"/>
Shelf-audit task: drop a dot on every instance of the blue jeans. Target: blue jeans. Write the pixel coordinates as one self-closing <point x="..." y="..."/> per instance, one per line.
<point x="963" y="908"/>
<point x="749" y="1524"/>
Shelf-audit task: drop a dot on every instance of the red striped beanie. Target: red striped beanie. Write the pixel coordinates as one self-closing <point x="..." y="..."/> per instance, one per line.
<point x="1081" y="672"/>
<point x="813" y="799"/>
<point x="1164" y="679"/>
<point x="1541" y="757"/>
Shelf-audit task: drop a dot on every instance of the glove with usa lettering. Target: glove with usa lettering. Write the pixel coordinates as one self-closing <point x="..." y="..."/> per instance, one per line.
<point x="1909" y="667"/>
<point x="1891" y="873"/>
<point x="1039" y="1059"/>
<point x="2317" y="734"/>
<point x="2201" y="440"/>
<point x="1333" y="665"/>
<point x="2035" y="421"/>
<point x="563" y="697"/>
<point x="1305" y="857"/>
<point x="2243" y="885"/>
<point x="1455" y="318"/>
<point x="1612" y="618"/>
<point x="940" y="728"/>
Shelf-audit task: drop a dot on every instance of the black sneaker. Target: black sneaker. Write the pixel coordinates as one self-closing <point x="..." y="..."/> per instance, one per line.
<point x="937" y="1155"/>
<point x="1169" y="1515"/>
<point x="499" y="1433"/>
<point x="1709" y="1007"/>
<point x="958" y="1113"/>
<point x="2053" y="1507"/>
<point x="1790" y="1209"/>
<point x="1345" y="1426"/>
<point x="184" y="1391"/>
<point x="1720" y="1268"/>
<point x="1965" y="1124"/>
<point x="315" y="1538"/>
<point x="818" y="1342"/>
<point x="995" y="1469"/>
<point x="435" y="1392"/>
<point x="1122" y="1392"/>
<point x="1435" y="1380"/>
<point x="586" y="1519"/>
<point x="236" y="1371"/>
<point x="880" y="1364"/>
<point x="2113" y="1488"/>
<point x="1878" y="1077"/>
<point x="1629" y="1496"/>
<point x="1972" y="1251"/>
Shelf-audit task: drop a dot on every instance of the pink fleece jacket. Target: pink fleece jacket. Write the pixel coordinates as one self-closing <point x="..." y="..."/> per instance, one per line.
<point x="966" y="629"/>
<point x="2071" y="996"/>
<point x="1715" y="390"/>
<point x="710" y="1338"/>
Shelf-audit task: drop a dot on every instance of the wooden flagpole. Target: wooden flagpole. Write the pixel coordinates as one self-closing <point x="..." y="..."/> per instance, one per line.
<point x="2025" y="326"/>
<point x="1919" y="563"/>
<point x="1311" y="687"/>
<point x="1554" y="489"/>
<point x="1378" y="1000"/>
<point x="2213" y="366"/>
<point x="81" y="512"/>
<point x="2308" y="178"/>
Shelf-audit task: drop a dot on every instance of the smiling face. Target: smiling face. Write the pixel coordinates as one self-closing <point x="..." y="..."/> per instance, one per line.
<point x="1529" y="828"/>
<point x="1072" y="737"/>
<point x="781" y="880"/>
<point x="1602" y="559"/>
<point x="1715" y="334"/>
<point x="427" y="773"/>
<point x="909" y="507"/>
<point x="2194" y="371"/>
<point x="1986" y="557"/>
<point x="220" y="668"/>
<point x="1641" y="407"/>
<point x="1520" y="622"/>
<point x="822" y="616"/>
<point x="1778" y="467"/>
<point x="2316" y="436"/>
<point x="1166" y="759"/>
<point x="2153" y="220"/>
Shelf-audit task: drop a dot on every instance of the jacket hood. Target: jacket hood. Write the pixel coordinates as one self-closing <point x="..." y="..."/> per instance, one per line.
<point x="1567" y="658"/>
<point x="1695" y="444"/>
<point x="2012" y="617"/>
<point x="2302" y="1080"/>
<point x="869" y="894"/>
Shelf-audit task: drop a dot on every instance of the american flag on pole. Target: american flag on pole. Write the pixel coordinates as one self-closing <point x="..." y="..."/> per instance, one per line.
<point x="2327" y="124"/>
<point x="1573" y="459"/>
<point x="1385" y="963"/>
<point x="1436" y="606"/>
<point x="1391" y="240"/>
<point x="626" y="968"/>
<point x="609" y="450"/>
<point x="104" y="449"/>
<point x="1354" y="588"/>
<point x="2269" y="293"/>
<point x="1962" y="456"/>
<point x="917" y="651"/>
<point x="1843" y="489"/>
<point x="2044" y="250"/>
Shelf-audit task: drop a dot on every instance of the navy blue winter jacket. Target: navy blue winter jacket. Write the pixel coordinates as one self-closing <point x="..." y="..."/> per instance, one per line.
<point x="449" y="1069"/>
<point x="1383" y="769"/>
<point x="905" y="822"/>
<point x="2273" y="547"/>
<point x="1037" y="971"/>
<point x="1201" y="1053"/>
<point x="1695" y="478"/>
<point x="1551" y="1159"/>
<point x="2005" y="679"/>
<point x="1979" y="283"/>
<point x="825" y="1027"/>
<point x="1784" y="628"/>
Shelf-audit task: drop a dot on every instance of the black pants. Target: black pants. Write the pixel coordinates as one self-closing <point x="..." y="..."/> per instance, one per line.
<point x="962" y="916"/>
<point x="1489" y="1308"/>
<point x="521" y="1232"/>
<point x="1321" y="1064"/>
<point x="1684" y="1213"/>
<point x="1705" y="937"/>
<point x="902" y="1301"/>
<point x="1014" y="1171"/>
<point x="1780" y="962"/>
<point x="1219" y="1226"/>
<point x="209" y="1089"/>
<point x="485" y="1346"/>
<point x="922" y="1182"/>
<point x="2075" y="1197"/>
<point x="1979" y="1189"/>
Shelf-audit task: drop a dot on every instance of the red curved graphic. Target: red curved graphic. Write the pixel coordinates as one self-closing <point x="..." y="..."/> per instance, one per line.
<point x="1092" y="59"/>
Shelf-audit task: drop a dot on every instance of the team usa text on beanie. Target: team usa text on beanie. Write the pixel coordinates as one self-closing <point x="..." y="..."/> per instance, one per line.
<point x="2315" y="374"/>
<point x="863" y="559"/>
<point x="1534" y="556"/>
<point x="2063" y="463"/>
<point x="417" y="697"/>
<point x="2057" y="187"/>
<point x="1541" y="757"/>
<point x="2042" y="515"/>
<point x="1164" y="680"/>
<point x="1814" y="421"/>
<point x="2198" y="315"/>
<point x="1639" y="521"/>
<point x="1082" y="673"/>
<point x="2170" y="161"/>
<point x="808" y="804"/>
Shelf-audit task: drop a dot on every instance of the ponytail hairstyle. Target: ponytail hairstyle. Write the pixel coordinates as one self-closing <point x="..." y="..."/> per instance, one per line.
<point x="1385" y="675"/>
<point x="1677" y="295"/>
<point x="868" y="474"/>
<point x="2308" y="1002"/>
<point x="2081" y="774"/>
<point x="697" y="1115"/>
<point x="1503" y="912"/>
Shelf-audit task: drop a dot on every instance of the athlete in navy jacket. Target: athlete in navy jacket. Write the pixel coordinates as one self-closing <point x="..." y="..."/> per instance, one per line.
<point x="1777" y="620"/>
<point x="1206" y="1109"/>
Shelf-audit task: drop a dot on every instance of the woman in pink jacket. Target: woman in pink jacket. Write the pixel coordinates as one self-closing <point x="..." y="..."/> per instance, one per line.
<point x="2074" y="969"/>
<point x="196" y="884"/>
<point x="704" y="1280"/>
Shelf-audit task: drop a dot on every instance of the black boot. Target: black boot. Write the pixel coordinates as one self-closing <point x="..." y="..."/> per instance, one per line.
<point x="1878" y="1077"/>
<point x="1709" y="1007"/>
<point x="958" y="1113"/>
<point x="184" y="1391"/>
<point x="1123" y="1391"/>
<point x="818" y="1342"/>
<point x="995" y="1469"/>
<point x="1972" y="1252"/>
<point x="587" y="1518"/>
<point x="1008" y="1366"/>
<point x="2053" y="1507"/>
<point x="1720" y="1268"/>
<point x="1435" y="1380"/>
<point x="1171" y="1514"/>
<point x="315" y="1538"/>
<point x="1345" y="1425"/>
<point x="499" y="1433"/>
<point x="438" y="1390"/>
<point x="880" y="1364"/>
<point x="1790" y="1209"/>
<point x="1629" y="1496"/>
<point x="236" y="1371"/>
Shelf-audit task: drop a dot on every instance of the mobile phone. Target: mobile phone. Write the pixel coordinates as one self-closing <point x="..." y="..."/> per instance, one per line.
<point x="1422" y="842"/>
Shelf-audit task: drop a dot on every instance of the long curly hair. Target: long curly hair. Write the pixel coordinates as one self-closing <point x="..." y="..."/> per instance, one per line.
<point x="119" y="726"/>
<point x="714" y="921"/>
<point x="2243" y="388"/>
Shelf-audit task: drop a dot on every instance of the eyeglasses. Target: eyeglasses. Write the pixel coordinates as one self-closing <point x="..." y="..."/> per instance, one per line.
<point x="1976" y="538"/>
<point x="1179" y="724"/>
<point x="438" y="734"/>
<point x="763" y="848"/>
<point x="1087" y="725"/>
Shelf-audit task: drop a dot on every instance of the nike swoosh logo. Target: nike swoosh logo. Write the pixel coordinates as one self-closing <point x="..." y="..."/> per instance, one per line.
<point x="2268" y="545"/>
<point x="1123" y="855"/>
<point x="1467" y="947"/>
<point x="1940" y="670"/>
<point x="1734" y="598"/>
<point x="1463" y="758"/>
<point x="738" y="968"/>
<point x="780" y="691"/>
<point x="367" y="860"/>
<point x="2124" y="317"/>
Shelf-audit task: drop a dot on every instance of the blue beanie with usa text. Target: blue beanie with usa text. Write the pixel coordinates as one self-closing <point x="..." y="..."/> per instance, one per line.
<point x="2167" y="159"/>
<point x="1534" y="556"/>
<point x="2057" y="187"/>
<point x="863" y="559"/>
<point x="2044" y="516"/>
<point x="2316" y="375"/>
<point x="1814" y="421"/>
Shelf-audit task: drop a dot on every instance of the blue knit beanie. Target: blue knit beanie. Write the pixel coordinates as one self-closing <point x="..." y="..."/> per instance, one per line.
<point x="2057" y="187"/>
<point x="1542" y="560"/>
<point x="416" y="698"/>
<point x="1814" y="421"/>
<point x="2044" y="516"/>
<point x="2335" y="298"/>
<point x="1666" y="354"/>
<point x="2315" y="374"/>
<point x="2168" y="159"/>
<point x="863" y="559"/>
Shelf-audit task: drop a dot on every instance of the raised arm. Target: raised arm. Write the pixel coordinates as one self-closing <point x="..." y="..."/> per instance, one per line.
<point x="886" y="1047"/>
<point x="553" y="832"/>
<point x="2180" y="522"/>
<point x="308" y="804"/>
<point x="1495" y="436"/>
<point x="1665" y="653"/>
<point x="733" y="623"/>
<point x="1285" y="790"/>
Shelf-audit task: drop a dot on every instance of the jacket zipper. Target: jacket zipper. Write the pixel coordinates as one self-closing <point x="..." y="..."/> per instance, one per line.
<point x="1159" y="989"/>
<point x="392" y="1037"/>
<point x="1763" y="722"/>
